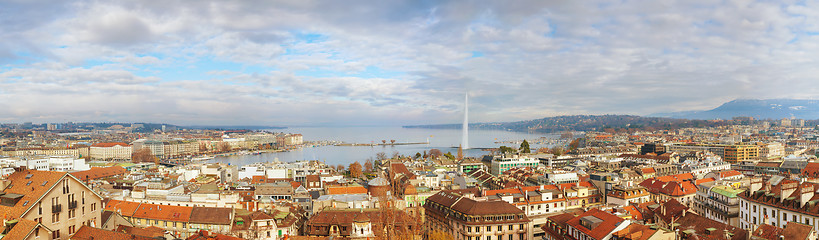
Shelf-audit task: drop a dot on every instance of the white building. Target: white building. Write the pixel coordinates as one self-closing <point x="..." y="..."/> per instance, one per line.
<point x="249" y="171"/>
<point x="110" y="151"/>
<point x="500" y="164"/>
<point x="758" y="206"/>
<point x="561" y="177"/>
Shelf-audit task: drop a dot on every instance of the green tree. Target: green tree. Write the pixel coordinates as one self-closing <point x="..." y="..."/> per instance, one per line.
<point x="524" y="147"/>
<point x="505" y="149"/>
<point x="449" y="155"/>
<point x="417" y="155"/>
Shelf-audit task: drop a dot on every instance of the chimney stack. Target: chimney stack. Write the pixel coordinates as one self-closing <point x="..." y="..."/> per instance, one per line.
<point x="806" y="192"/>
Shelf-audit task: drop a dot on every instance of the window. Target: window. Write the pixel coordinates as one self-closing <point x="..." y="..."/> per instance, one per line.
<point x="510" y="228"/>
<point x="55" y="217"/>
<point x="40" y="208"/>
<point x="93" y="207"/>
<point x="488" y="228"/>
<point x="55" y="234"/>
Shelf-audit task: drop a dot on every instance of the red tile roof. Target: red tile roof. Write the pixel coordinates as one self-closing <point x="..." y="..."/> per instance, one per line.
<point x="811" y="170"/>
<point x="674" y="188"/>
<point x="766" y="231"/>
<point x="205" y="235"/>
<point x="92" y="233"/>
<point x="346" y="190"/>
<point x="21" y="230"/>
<point x="99" y="173"/>
<point x="608" y="224"/>
<point x="729" y="173"/>
<point x="111" y="144"/>
<point x="164" y="212"/>
<point x="33" y="185"/>
<point x="635" y="231"/>
<point x="701" y="224"/>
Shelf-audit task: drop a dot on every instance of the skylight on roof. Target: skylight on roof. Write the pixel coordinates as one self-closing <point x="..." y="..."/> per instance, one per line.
<point x="28" y="183"/>
<point x="25" y="203"/>
<point x="44" y="183"/>
<point x="29" y="176"/>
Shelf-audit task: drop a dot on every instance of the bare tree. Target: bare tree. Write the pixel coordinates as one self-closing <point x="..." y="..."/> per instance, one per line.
<point x="368" y="165"/>
<point x="355" y="170"/>
<point x="392" y="142"/>
<point x="381" y="156"/>
<point x="223" y="147"/>
<point x="203" y="147"/>
<point x="143" y="155"/>
<point x="435" y="153"/>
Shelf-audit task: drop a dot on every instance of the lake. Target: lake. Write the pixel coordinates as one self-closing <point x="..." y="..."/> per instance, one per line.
<point x="446" y="140"/>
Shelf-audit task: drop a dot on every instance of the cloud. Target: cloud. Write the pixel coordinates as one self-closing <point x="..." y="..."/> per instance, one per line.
<point x="395" y="62"/>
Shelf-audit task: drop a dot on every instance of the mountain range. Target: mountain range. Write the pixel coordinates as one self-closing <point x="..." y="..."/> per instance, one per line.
<point x="756" y="108"/>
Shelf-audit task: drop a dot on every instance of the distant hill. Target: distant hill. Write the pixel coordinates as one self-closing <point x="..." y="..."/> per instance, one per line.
<point x="759" y="109"/>
<point x="610" y="123"/>
<point x="230" y="127"/>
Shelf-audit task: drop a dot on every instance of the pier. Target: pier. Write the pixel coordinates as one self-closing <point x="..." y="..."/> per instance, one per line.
<point x="378" y="144"/>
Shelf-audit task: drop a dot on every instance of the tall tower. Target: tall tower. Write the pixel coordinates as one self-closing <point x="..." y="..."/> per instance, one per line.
<point x="465" y="128"/>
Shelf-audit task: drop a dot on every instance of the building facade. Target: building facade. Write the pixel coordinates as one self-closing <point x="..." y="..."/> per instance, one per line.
<point x="467" y="219"/>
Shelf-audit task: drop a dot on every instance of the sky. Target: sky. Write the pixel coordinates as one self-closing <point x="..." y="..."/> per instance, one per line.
<point x="351" y="63"/>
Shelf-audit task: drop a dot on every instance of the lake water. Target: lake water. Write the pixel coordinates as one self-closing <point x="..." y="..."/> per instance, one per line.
<point x="446" y="140"/>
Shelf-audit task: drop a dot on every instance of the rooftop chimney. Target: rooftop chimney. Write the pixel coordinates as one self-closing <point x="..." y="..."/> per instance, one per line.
<point x="805" y="194"/>
<point x="786" y="190"/>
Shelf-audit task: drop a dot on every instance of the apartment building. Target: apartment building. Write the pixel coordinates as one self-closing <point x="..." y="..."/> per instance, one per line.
<point x="500" y="164"/>
<point x="740" y="153"/>
<point x="718" y="202"/>
<point x="110" y="151"/>
<point x="57" y="200"/>
<point x="468" y="219"/>
<point x="777" y="202"/>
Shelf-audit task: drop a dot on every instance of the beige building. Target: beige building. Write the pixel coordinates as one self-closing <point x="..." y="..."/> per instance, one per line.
<point x="175" y="149"/>
<point x="57" y="200"/>
<point x="467" y="219"/>
<point x="110" y="151"/>
<point x="75" y="152"/>
<point x="769" y="151"/>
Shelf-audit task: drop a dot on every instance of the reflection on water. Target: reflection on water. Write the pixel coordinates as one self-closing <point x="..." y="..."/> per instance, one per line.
<point x="446" y="140"/>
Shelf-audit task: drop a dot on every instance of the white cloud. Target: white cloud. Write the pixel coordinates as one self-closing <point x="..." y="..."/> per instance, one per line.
<point x="395" y="61"/>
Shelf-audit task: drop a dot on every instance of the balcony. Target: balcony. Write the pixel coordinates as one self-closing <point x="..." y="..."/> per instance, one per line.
<point x="56" y="208"/>
<point x="720" y="211"/>
<point x="72" y="205"/>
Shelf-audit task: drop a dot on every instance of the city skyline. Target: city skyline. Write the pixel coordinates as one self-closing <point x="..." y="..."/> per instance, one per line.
<point x="395" y="63"/>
